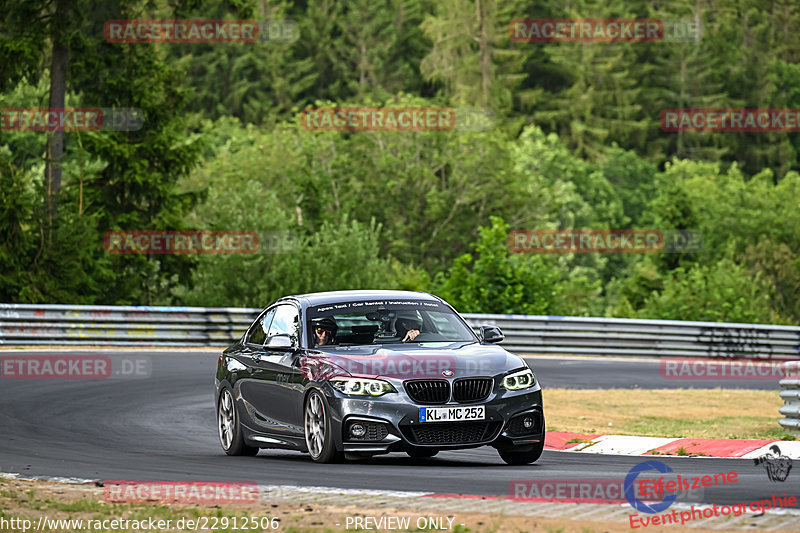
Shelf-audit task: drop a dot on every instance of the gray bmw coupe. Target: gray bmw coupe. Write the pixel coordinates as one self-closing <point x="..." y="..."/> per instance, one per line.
<point x="359" y="373"/>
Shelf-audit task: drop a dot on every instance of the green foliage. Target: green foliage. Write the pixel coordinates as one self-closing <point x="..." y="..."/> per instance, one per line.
<point x="576" y="144"/>
<point x="728" y="206"/>
<point x="337" y="257"/>
<point x="633" y="181"/>
<point x="18" y="200"/>
<point x="631" y="292"/>
<point x="497" y="281"/>
<point x="429" y="190"/>
<point x="779" y="268"/>
<point x="601" y="100"/>
<point x="70" y="269"/>
<point x="470" y="54"/>
<point x="722" y="292"/>
<point x="112" y="180"/>
<point x="576" y="191"/>
<point x="256" y="82"/>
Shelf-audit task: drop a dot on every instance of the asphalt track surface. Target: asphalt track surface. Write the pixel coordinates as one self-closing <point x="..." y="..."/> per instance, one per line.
<point x="620" y="373"/>
<point x="162" y="428"/>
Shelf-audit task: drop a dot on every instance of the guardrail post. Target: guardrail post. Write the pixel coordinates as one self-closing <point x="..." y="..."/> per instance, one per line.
<point x="790" y="385"/>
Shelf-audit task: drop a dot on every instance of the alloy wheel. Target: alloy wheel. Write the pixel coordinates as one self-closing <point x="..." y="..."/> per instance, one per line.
<point x="226" y="420"/>
<point x="315" y="425"/>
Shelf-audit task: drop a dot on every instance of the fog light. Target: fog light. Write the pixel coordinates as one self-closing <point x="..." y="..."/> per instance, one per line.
<point x="527" y="422"/>
<point x="358" y="430"/>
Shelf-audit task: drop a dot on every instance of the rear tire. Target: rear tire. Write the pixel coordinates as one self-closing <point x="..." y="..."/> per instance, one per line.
<point x="230" y="431"/>
<point x="319" y="435"/>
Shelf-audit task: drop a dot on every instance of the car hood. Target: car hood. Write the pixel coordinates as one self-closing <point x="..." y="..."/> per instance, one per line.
<point x="414" y="361"/>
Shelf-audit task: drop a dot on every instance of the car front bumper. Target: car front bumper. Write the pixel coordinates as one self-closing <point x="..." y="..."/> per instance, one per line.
<point x="400" y="416"/>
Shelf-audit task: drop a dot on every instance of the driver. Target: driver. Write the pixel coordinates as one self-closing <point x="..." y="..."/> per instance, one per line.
<point x="324" y="331"/>
<point x="407" y="325"/>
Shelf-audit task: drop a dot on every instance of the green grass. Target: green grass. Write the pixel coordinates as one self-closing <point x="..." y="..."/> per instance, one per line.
<point x="719" y="426"/>
<point x="578" y="441"/>
<point x="79" y="506"/>
<point x="680" y="413"/>
<point x="681" y="452"/>
<point x="101" y="509"/>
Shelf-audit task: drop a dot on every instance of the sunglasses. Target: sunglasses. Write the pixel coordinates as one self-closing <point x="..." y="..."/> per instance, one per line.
<point x="320" y="331"/>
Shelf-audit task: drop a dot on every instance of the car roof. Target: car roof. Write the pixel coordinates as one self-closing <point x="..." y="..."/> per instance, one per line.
<point x="320" y="298"/>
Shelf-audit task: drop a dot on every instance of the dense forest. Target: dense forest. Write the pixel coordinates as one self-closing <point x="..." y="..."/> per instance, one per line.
<point x="570" y="139"/>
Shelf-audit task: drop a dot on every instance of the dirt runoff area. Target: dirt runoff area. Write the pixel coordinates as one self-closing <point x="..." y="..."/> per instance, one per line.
<point x="47" y="506"/>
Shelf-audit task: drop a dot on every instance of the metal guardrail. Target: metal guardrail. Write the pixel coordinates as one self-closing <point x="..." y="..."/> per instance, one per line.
<point x="791" y="397"/>
<point x="636" y="337"/>
<point x="31" y="324"/>
<point x="25" y="324"/>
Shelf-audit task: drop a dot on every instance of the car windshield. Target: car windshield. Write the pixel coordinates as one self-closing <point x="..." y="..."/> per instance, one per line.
<point x="384" y="322"/>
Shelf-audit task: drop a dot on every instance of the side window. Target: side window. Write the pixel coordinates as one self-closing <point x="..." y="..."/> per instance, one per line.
<point x="446" y="324"/>
<point x="258" y="333"/>
<point x="286" y="322"/>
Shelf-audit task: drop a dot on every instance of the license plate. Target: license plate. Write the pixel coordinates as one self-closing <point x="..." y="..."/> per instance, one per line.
<point x="451" y="414"/>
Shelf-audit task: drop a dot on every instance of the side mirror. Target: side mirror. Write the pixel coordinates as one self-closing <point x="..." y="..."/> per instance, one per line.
<point x="280" y="341"/>
<point x="491" y="334"/>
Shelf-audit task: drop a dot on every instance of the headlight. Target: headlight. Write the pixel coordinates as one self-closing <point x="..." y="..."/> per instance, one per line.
<point x="523" y="379"/>
<point x="362" y="387"/>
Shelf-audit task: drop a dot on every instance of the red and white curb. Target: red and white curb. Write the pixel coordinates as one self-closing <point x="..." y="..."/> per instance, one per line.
<point x="632" y="445"/>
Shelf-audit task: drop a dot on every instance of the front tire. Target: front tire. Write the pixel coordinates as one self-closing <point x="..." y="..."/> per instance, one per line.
<point x="523" y="458"/>
<point x="230" y="431"/>
<point x="319" y="435"/>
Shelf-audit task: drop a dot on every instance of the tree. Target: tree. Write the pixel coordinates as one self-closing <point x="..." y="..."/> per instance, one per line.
<point x="689" y="74"/>
<point x="24" y="24"/>
<point x="497" y="281"/>
<point x="722" y="292"/>
<point x="779" y="267"/>
<point x="633" y="180"/>
<point x="600" y="102"/>
<point x="113" y="179"/>
<point x="259" y="82"/>
<point x="336" y="257"/>
<point x="470" y="55"/>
